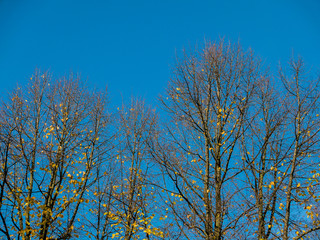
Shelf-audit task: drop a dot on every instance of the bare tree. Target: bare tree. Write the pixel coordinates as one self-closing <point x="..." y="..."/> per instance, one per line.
<point x="208" y="99"/>
<point x="135" y="206"/>
<point x="262" y="146"/>
<point x="52" y="138"/>
<point x="279" y="155"/>
<point x="301" y="188"/>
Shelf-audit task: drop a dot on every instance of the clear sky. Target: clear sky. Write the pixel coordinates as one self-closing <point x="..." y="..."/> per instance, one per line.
<point x="130" y="46"/>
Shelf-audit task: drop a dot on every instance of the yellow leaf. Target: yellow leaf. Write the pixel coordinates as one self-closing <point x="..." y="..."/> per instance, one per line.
<point x="271" y="184"/>
<point x="281" y="206"/>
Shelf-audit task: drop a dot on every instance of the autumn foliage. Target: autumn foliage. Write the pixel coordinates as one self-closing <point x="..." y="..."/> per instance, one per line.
<point x="236" y="158"/>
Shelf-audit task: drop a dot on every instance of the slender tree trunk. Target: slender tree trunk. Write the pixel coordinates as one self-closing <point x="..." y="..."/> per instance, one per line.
<point x="208" y="219"/>
<point x="293" y="166"/>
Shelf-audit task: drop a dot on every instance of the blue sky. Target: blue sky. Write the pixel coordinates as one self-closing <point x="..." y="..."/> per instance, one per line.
<point x="130" y="46"/>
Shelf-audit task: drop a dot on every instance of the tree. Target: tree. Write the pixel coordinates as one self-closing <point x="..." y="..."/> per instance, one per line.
<point x="208" y="99"/>
<point x="262" y="146"/>
<point x="124" y="199"/>
<point x="134" y="197"/>
<point x="301" y="183"/>
<point x="52" y="140"/>
<point x="279" y="152"/>
<point x="240" y="157"/>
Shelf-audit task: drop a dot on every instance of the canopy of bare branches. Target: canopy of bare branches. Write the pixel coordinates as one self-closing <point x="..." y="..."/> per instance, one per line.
<point x="237" y="157"/>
